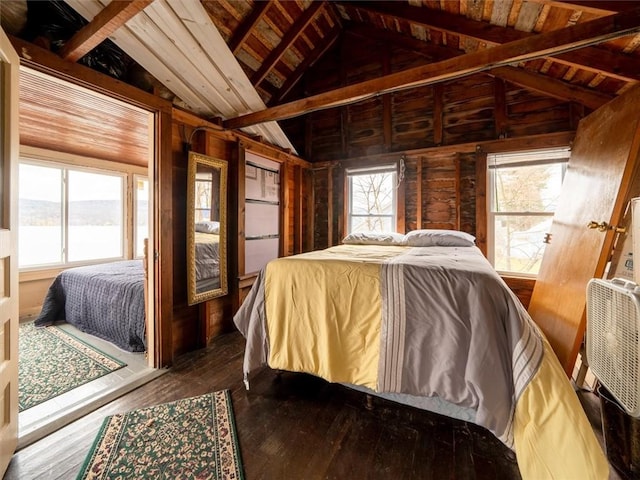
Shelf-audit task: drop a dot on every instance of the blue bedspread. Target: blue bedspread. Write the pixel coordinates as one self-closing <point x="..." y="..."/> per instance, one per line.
<point x="104" y="300"/>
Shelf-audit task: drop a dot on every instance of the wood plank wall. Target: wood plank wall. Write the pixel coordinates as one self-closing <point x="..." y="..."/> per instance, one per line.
<point x="440" y="192"/>
<point x="423" y="126"/>
<point x="194" y="326"/>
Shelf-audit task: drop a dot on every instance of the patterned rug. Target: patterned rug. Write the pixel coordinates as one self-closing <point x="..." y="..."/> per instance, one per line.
<point x="52" y="362"/>
<point x="190" y="438"/>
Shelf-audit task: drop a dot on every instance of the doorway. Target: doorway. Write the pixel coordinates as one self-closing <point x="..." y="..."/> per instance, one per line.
<point x="72" y="125"/>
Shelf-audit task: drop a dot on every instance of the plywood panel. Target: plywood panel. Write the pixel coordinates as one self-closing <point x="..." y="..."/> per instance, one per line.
<point x="599" y="177"/>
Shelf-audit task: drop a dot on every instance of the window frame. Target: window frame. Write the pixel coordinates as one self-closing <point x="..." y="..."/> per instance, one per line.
<point x="369" y="170"/>
<point x="128" y="173"/>
<point x="134" y="231"/>
<point x="514" y="159"/>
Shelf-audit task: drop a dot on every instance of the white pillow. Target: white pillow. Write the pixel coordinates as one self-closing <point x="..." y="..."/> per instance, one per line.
<point x="374" y="238"/>
<point x="439" y="238"/>
<point x="208" y="227"/>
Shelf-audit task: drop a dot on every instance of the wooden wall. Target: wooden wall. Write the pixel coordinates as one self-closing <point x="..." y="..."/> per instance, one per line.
<point x="439" y="131"/>
<point x="472" y="109"/>
<point x="194" y="326"/>
<point x="190" y="327"/>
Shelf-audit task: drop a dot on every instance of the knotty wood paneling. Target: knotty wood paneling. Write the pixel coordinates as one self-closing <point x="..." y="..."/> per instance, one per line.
<point x="468" y="111"/>
<point x="530" y="113"/>
<point x="412" y="119"/>
<point x="522" y="287"/>
<point x="60" y="116"/>
<point x="365" y="132"/>
<point x="441" y="187"/>
<point x="320" y="181"/>
<point x="471" y="109"/>
<point x="448" y="192"/>
<point x="194" y="326"/>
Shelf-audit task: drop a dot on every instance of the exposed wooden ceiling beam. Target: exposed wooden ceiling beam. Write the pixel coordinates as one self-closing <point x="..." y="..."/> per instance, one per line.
<point x="518" y="76"/>
<point x="287" y="40"/>
<point x="541" y="45"/>
<point x="112" y="17"/>
<point x="46" y="61"/>
<point x="552" y="87"/>
<point x="597" y="60"/>
<point x="243" y="32"/>
<point x="317" y="53"/>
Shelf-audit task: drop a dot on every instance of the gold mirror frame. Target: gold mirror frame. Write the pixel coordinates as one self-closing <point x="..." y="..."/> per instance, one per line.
<point x="206" y="288"/>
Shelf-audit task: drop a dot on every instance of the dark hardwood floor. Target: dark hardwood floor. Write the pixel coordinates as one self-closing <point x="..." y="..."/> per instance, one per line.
<point x="296" y="426"/>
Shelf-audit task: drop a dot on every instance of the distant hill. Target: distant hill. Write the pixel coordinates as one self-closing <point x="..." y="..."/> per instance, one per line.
<point x="87" y="212"/>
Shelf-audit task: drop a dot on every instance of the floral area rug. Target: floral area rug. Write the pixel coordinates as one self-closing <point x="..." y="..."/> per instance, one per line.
<point x="190" y="438"/>
<point x="52" y="362"/>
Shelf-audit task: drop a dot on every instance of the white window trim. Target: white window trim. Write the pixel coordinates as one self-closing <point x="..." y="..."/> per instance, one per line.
<point x="513" y="159"/>
<point x="39" y="156"/>
<point x="373" y="169"/>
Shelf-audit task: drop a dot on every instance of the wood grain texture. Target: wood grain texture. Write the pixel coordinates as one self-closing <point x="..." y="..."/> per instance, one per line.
<point x="600" y="175"/>
<point x="114" y="15"/>
<point x="296" y="426"/>
<point x="60" y="116"/>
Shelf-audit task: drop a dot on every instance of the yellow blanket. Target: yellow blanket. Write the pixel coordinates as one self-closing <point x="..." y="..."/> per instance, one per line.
<point x="344" y="346"/>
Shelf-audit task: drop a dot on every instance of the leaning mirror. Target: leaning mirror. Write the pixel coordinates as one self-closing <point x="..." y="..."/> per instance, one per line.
<point x="206" y="228"/>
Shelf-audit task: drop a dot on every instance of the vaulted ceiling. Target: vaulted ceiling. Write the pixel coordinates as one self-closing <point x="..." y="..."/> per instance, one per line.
<point x="241" y="60"/>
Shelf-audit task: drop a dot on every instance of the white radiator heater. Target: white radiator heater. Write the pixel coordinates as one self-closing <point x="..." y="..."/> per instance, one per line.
<point x="613" y="339"/>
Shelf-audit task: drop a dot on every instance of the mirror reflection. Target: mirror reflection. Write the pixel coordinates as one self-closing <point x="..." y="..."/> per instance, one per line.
<point x="206" y="228"/>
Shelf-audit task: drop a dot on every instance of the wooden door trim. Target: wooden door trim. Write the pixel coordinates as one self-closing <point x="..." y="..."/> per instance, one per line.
<point x="9" y="143"/>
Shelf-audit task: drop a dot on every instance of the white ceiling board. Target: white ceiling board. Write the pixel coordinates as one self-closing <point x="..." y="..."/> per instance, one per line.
<point x="146" y="57"/>
<point x="186" y="56"/>
<point x="209" y="41"/>
<point x="176" y="42"/>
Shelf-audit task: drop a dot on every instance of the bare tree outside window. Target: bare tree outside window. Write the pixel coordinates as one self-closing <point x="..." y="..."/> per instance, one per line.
<point x="372" y="201"/>
<point x="203" y="198"/>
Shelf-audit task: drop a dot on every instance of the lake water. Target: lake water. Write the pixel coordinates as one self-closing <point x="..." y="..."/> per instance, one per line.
<point x="42" y="245"/>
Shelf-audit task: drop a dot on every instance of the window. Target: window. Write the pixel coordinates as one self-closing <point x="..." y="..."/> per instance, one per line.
<point x="524" y="188"/>
<point x="74" y="215"/>
<point x="371" y="199"/>
<point x="204" y="196"/>
<point x="40" y="215"/>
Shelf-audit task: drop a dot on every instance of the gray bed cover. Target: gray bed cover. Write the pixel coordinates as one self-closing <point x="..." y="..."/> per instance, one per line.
<point x="105" y="300"/>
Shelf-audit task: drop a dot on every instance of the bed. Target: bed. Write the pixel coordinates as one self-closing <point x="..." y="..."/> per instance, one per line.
<point x="106" y="300"/>
<point x="207" y="261"/>
<point x="427" y="322"/>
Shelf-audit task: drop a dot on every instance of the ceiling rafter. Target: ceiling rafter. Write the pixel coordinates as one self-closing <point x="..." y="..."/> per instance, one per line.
<point x="245" y="30"/>
<point x="518" y="76"/>
<point x="111" y="18"/>
<point x="552" y="87"/>
<point x="287" y="40"/>
<point x="545" y="44"/>
<point x="598" y="60"/>
<point x="317" y="53"/>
